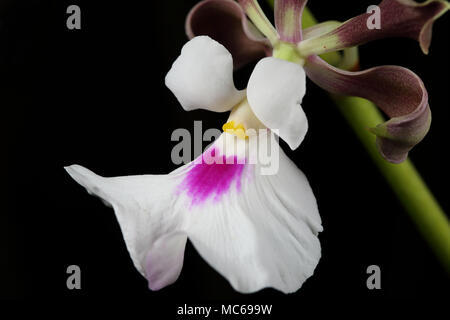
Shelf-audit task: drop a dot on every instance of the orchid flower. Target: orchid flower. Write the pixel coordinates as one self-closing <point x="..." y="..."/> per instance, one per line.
<point x="397" y="91"/>
<point x="258" y="230"/>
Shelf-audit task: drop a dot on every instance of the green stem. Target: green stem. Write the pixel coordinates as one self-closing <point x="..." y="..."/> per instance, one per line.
<point x="403" y="178"/>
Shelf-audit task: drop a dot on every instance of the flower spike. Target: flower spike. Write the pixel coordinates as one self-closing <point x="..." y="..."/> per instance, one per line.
<point x="225" y="21"/>
<point x="288" y="19"/>
<point x="399" y="18"/>
<point x="396" y="90"/>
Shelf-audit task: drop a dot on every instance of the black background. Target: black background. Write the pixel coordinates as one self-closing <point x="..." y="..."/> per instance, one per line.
<point x="96" y="97"/>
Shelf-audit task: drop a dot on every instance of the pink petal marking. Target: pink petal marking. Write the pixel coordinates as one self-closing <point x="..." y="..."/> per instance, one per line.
<point x="210" y="178"/>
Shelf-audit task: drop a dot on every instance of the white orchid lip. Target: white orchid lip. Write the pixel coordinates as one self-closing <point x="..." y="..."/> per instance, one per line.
<point x="257" y="231"/>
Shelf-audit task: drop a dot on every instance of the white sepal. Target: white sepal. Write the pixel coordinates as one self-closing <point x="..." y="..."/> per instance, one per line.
<point x="202" y="77"/>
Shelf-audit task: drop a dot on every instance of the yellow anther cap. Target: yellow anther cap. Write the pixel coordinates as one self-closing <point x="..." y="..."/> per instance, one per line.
<point x="236" y="129"/>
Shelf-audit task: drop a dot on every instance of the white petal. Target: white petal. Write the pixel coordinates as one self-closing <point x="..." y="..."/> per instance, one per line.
<point x="202" y="76"/>
<point x="275" y="92"/>
<point x="149" y="218"/>
<point x="263" y="234"/>
<point x="256" y="230"/>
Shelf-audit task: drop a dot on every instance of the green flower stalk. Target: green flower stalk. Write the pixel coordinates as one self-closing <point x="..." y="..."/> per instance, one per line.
<point x="403" y="178"/>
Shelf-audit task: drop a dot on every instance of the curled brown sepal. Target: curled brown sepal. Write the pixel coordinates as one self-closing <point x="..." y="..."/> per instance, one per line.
<point x="397" y="91"/>
<point x="397" y="18"/>
<point x="225" y="21"/>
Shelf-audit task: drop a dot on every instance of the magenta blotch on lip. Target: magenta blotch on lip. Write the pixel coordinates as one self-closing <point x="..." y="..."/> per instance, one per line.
<point x="209" y="178"/>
